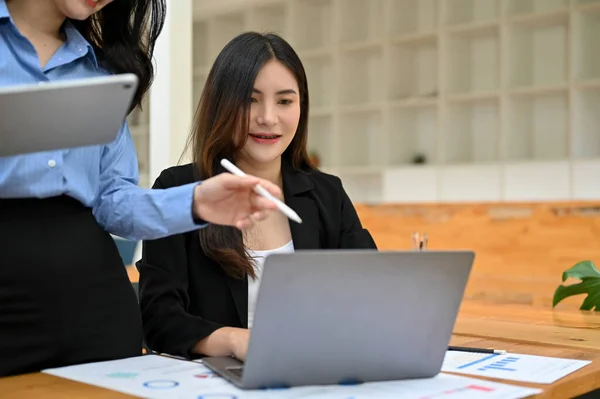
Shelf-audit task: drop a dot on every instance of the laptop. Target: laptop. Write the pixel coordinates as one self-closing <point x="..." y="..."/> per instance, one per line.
<point x="64" y="114"/>
<point x="350" y="316"/>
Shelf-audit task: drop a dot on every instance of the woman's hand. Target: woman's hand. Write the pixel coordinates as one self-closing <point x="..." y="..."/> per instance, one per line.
<point x="227" y="199"/>
<point x="239" y="343"/>
<point x="226" y="341"/>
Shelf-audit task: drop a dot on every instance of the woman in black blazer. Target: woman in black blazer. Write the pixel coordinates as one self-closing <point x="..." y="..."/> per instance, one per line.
<point x="197" y="289"/>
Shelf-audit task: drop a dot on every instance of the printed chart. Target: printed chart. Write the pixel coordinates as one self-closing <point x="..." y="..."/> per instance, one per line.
<point x="158" y="377"/>
<point x="525" y="368"/>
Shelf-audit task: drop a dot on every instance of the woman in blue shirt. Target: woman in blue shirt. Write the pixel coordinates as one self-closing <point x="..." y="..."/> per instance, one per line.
<point x="64" y="294"/>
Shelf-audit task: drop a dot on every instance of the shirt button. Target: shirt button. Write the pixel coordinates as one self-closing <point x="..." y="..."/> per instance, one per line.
<point x="52" y="163"/>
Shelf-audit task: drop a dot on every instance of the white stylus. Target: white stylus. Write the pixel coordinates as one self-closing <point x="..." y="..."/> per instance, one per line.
<point x="260" y="190"/>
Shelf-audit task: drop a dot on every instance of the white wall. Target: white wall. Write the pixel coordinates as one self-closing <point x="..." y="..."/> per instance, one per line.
<point x="171" y="93"/>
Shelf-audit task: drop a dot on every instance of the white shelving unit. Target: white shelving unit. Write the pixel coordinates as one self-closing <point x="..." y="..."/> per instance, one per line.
<point x="438" y="100"/>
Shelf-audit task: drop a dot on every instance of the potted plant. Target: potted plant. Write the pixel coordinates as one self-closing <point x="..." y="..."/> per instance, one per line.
<point x="589" y="284"/>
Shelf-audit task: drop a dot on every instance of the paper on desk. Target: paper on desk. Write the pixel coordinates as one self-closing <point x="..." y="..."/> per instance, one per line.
<point x="157" y="377"/>
<point x="525" y="368"/>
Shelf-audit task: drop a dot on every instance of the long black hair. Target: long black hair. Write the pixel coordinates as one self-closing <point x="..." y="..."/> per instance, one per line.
<point x="223" y="112"/>
<point x="123" y="35"/>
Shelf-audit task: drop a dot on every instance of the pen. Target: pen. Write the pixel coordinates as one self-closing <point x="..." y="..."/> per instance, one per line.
<point x="260" y="190"/>
<point x="415" y="240"/>
<point x="420" y="241"/>
<point x="477" y="350"/>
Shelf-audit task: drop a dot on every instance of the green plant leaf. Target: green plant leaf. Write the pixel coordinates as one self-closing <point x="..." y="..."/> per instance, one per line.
<point x="589" y="284"/>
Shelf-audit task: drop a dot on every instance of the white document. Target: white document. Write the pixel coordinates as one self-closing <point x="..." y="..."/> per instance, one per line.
<point x="158" y="377"/>
<point x="525" y="368"/>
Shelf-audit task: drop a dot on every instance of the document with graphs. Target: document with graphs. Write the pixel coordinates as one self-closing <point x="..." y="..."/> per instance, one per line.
<point x="157" y="377"/>
<point x="515" y="367"/>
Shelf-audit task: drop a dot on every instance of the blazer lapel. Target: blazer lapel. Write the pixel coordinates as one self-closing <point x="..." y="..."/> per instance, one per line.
<point x="297" y="189"/>
<point x="239" y="292"/>
<point x="305" y="234"/>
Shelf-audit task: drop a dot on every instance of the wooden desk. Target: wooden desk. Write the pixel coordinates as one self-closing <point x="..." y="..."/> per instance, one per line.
<point x="523" y="329"/>
<point x="519" y="329"/>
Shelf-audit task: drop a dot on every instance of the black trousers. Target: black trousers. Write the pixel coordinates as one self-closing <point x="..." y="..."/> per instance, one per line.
<point x="65" y="297"/>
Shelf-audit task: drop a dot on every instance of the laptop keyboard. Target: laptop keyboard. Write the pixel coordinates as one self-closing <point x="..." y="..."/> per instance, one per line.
<point x="237" y="371"/>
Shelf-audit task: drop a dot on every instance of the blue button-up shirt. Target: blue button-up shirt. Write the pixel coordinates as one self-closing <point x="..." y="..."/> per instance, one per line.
<point x="103" y="177"/>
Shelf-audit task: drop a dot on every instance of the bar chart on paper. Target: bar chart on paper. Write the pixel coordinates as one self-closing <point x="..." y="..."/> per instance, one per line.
<point x="503" y="364"/>
<point x="516" y="367"/>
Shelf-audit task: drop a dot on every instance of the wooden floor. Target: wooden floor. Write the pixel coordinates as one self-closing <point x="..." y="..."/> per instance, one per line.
<point x="521" y="249"/>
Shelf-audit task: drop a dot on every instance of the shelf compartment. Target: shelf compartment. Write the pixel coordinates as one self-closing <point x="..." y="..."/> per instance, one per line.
<point x="320" y="138"/>
<point x="269" y="18"/>
<point x="422" y="181"/>
<point x="586" y="5"/>
<point x="524" y="7"/>
<point x="140" y="116"/>
<point x="319" y="74"/>
<point x="144" y="180"/>
<point x="589" y="84"/>
<point x="586" y="124"/>
<point x="137" y="117"/>
<point x="360" y="141"/>
<point x="371" y="45"/>
<point x="472" y="134"/>
<point x="538" y="91"/>
<point x="413" y="70"/>
<point x="585" y="180"/>
<point x="363" y="188"/>
<point x="536" y="181"/>
<point x="474" y="29"/>
<point x="314" y="53"/>
<point x="472" y="183"/>
<point x="360" y="20"/>
<point x="360" y="108"/>
<point x="464" y="12"/>
<point x="473" y="97"/>
<point x="413" y="136"/>
<point x="409" y="17"/>
<point x="473" y="61"/>
<point x="361" y="76"/>
<point x="537" y="52"/>
<point x="223" y="28"/>
<point x="536" y="127"/>
<point x="200" y="44"/>
<point x="312" y="26"/>
<point x="586" y="31"/>
<point x="414" y="102"/>
<point x="141" y="142"/>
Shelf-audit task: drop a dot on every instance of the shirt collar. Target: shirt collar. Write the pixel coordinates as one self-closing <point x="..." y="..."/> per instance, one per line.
<point x="75" y="40"/>
<point x="3" y="10"/>
<point x="77" y="43"/>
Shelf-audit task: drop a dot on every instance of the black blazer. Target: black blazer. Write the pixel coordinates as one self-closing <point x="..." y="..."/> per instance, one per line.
<point x="185" y="296"/>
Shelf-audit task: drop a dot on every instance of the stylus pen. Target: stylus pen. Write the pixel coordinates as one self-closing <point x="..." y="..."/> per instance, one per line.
<point x="477" y="350"/>
<point x="260" y="190"/>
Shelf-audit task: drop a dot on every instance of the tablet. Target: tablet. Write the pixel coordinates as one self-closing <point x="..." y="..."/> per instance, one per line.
<point x="64" y="114"/>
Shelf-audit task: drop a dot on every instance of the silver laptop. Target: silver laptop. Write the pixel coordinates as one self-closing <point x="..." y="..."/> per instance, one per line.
<point x="344" y="317"/>
<point x="63" y="114"/>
